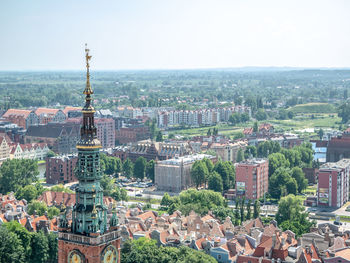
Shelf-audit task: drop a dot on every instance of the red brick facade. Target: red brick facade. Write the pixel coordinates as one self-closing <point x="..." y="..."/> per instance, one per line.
<point x="91" y="253"/>
<point x="252" y="178"/>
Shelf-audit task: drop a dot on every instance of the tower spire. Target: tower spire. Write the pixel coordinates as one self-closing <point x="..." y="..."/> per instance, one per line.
<point x="88" y="91"/>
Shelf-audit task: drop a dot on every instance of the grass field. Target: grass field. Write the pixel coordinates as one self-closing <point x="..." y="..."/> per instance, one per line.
<point x="299" y="125"/>
<point x="313" y="108"/>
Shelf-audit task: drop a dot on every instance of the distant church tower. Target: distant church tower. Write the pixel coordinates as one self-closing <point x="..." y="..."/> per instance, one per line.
<point x="90" y="235"/>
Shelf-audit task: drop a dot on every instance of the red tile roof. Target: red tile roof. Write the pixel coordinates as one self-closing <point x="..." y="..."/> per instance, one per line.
<point x="47" y="111"/>
<point x="13" y="112"/>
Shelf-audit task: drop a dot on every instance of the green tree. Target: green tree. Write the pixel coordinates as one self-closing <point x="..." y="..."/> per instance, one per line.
<point x="240" y="155"/>
<point x="108" y="184"/>
<point x="140" y="168"/>
<point x="249" y="210"/>
<point x="199" y="201"/>
<point x="261" y="115"/>
<point x="209" y="164"/>
<point x="237" y="218"/>
<point x="256" y="127"/>
<point x="242" y="210"/>
<point x="40" y="248"/>
<point x="10" y="247"/>
<point x="52" y="212"/>
<point x="166" y="200"/>
<point x="291" y="215"/>
<point x="150" y="170"/>
<point x="23" y="235"/>
<point x="128" y="168"/>
<point x="17" y="173"/>
<point x="120" y="194"/>
<point x="40" y="208"/>
<point x="223" y="212"/>
<point x="159" y="137"/>
<point x="281" y="182"/>
<point x="61" y="188"/>
<point x="277" y="160"/>
<point x="292" y="186"/>
<point x="227" y="172"/>
<point x="215" y="182"/>
<point x="209" y="132"/>
<point x="53" y="247"/>
<point x="51" y="154"/>
<point x="298" y="174"/>
<point x="111" y="165"/>
<point x="250" y="152"/>
<point x="199" y="173"/>
<point x="293" y="156"/>
<point x="320" y="133"/>
<point x="29" y="192"/>
<point x="256" y="213"/>
<point x="344" y="112"/>
<point x="146" y="250"/>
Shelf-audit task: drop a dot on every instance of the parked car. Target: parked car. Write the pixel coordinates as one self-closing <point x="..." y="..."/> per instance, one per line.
<point x="337" y="223"/>
<point x="139" y="195"/>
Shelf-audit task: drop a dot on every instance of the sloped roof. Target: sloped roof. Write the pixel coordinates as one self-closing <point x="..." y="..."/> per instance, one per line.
<point x="51" y="130"/>
<point x="47" y="111"/>
<point x="69" y="108"/>
<point x="17" y="112"/>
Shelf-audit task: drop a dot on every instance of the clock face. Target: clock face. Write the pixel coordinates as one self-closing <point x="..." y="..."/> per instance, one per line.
<point x="75" y="257"/>
<point x="109" y="255"/>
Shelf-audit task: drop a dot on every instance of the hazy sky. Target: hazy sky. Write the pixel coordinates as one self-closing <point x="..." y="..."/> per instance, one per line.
<point x="165" y="34"/>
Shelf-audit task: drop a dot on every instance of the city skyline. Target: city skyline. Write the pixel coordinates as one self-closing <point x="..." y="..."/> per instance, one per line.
<point x="174" y="35"/>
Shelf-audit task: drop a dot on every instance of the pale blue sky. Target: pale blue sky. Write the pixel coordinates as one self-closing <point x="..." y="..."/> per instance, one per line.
<point x="167" y="34"/>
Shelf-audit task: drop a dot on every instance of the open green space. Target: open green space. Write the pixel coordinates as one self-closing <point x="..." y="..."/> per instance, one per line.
<point x="299" y="124"/>
<point x="313" y="108"/>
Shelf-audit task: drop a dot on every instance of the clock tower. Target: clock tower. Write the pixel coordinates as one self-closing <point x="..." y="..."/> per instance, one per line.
<point x="90" y="234"/>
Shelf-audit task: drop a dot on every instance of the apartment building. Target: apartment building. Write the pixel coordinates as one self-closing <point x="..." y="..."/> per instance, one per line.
<point x="60" y="169"/>
<point x="252" y="178"/>
<point x="333" y="184"/>
<point x="173" y="175"/>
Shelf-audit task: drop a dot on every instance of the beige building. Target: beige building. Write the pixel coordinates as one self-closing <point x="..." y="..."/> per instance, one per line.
<point x="228" y="151"/>
<point x="34" y="151"/>
<point x="173" y="175"/>
<point x="4" y="150"/>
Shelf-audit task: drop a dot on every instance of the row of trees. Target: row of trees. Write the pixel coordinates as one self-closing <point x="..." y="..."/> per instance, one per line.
<point x="140" y="169"/>
<point x="285" y="173"/>
<point x="219" y="177"/>
<point x="18" y="245"/>
<point x="206" y="200"/>
<point x="237" y="118"/>
<point x="199" y="201"/>
<point x="146" y="250"/>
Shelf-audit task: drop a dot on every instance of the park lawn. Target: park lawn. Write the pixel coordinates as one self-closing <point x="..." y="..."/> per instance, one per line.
<point x="297" y="125"/>
<point x="306" y="121"/>
<point x="224" y="129"/>
<point x="315" y="107"/>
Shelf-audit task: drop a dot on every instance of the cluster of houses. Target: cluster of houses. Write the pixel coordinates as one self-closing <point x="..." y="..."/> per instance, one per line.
<point x="253" y="241"/>
<point x="11" y="150"/>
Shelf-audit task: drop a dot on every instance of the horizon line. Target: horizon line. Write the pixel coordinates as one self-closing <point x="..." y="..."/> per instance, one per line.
<point x="243" y="68"/>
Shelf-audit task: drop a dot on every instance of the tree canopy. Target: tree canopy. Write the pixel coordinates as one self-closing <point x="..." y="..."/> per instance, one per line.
<point x="146" y="250"/>
<point x="291" y="215"/>
<point x="17" y="173"/>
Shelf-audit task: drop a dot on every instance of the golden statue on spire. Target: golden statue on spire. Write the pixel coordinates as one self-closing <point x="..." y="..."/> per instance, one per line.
<point x="88" y="90"/>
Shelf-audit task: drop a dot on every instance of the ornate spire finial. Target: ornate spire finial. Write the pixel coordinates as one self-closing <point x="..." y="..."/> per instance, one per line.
<point x="88" y="90"/>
